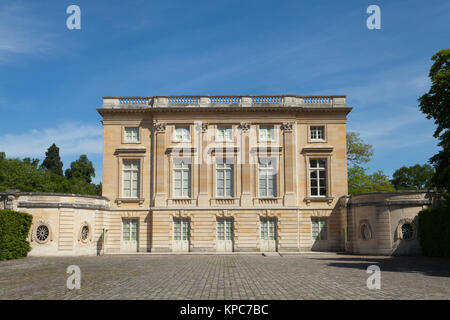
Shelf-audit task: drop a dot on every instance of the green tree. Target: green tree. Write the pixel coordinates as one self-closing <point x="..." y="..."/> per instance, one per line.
<point x="26" y="175"/>
<point x="414" y="177"/>
<point x="358" y="152"/>
<point x="436" y="105"/>
<point x="98" y="189"/>
<point x="359" y="181"/>
<point x="81" y="168"/>
<point x="33" y="162"/>
<point x="53" y="161"/>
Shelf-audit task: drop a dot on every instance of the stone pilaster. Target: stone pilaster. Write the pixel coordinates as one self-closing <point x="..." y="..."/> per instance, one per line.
<point x="161" y="166"/>
<point x="203" y="197"/>
<point x="246" y="197"/>
<point x="289" y="164"/>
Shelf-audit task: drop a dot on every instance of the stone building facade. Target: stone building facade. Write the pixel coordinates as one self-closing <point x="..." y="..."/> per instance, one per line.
<point x="224" y="173"/>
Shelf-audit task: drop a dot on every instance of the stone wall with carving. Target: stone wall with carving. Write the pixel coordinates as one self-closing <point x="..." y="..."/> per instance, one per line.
<point x="385" y="222"/>
<point x="63" y="224"/>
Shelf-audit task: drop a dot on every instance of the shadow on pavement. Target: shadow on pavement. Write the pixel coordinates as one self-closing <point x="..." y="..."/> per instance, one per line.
<point x="438" y="267"/>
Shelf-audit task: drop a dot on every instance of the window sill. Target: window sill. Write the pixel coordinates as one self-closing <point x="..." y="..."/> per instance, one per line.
<point x="267" y="201"/>
<point x="181" y="201"/>
<point x="268" y="140"/>
<point x="224" y="198"/>
<point x="181" y="141"/>
<point x="224" y="201"/>
<point x="119" y="201"/>
<point x="308" y="200"/>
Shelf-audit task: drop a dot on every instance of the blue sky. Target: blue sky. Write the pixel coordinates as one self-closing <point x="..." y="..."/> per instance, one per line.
<point x="52" y="79"/>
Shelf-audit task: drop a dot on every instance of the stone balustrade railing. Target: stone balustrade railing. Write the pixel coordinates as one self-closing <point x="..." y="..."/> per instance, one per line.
<point x="134" y="100"/>
<point x="219" y="100"/>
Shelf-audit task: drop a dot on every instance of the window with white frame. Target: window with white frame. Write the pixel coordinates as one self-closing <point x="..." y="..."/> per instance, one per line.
<point x="317" y="133"/>
<point x="131" y="134"/>
<point x="224" y="178"/>
<point x="268" y="229"/>
<point x="267" y="178"/>
<point x="319" y="230"/>
<point x="317" y="177"/>
<point x="130" y="175"/>
<point x="129" y="229"/>
<point x="266" y="133"/>
<point x="225" y="229"/>
<point x="181" y="178"/>
<point x="182" y="134"/>
<point x="224" y="134"/>
<point x="181" y="229"/>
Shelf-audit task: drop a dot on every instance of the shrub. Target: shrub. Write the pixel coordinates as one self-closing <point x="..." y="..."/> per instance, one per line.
<point x="14" y="228"/>
<point x="434" y="231"/>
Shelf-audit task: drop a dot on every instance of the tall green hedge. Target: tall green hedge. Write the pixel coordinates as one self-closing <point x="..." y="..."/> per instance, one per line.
<point x="14" y="228"/>
<point x="434" y="231"/>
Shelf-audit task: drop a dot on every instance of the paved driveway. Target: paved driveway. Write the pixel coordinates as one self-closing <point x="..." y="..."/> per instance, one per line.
<point x="313" y="276"/>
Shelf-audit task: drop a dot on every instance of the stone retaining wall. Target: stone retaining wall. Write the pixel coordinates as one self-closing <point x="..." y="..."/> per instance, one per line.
<point x="63" y="216"/>
<point x="377" y="222"/>
<point x="374" y="223"/>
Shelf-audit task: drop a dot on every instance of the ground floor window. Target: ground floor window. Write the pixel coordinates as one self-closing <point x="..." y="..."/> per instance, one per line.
<point x="130" y="229"/>
<point x="225" y="229"/>
<point x="268" y="229"/>
<point x="319" y="229"/>
<point x="181" y="229"/>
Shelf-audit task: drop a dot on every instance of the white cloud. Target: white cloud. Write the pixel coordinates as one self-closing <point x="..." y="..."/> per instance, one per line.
<point x="21" y="32"/>
<point x="71" y="138"/>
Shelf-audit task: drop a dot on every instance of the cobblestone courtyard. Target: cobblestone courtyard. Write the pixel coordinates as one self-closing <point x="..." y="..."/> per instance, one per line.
<point x="312" y="276"/>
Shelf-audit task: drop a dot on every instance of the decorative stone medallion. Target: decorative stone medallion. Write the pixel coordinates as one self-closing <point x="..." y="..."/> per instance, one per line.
<point x="160" y="127"/>
<point x="287" y="126"/>
<point x="244" y="126"/>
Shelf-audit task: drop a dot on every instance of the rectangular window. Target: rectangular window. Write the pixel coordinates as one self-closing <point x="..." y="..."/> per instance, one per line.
<point x="130" y="179"/>
<point x="268" y="229"/>
<point x="224" y="134"/>
<point x="181" y="178"/>
<point x="182" y="134"/>
<point x="267" y="178"/>
<point x="317" y="133"/>
<point x="266" y="133"/>
<point x="131" y="135"/>
<point x="317" y="176"/>
<point x="225" y="229"/>
<point x="181" y="229"/>
<point x="130" y="229"/>
<point x="224" y="179"/>
<point x="319" y="229"/>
